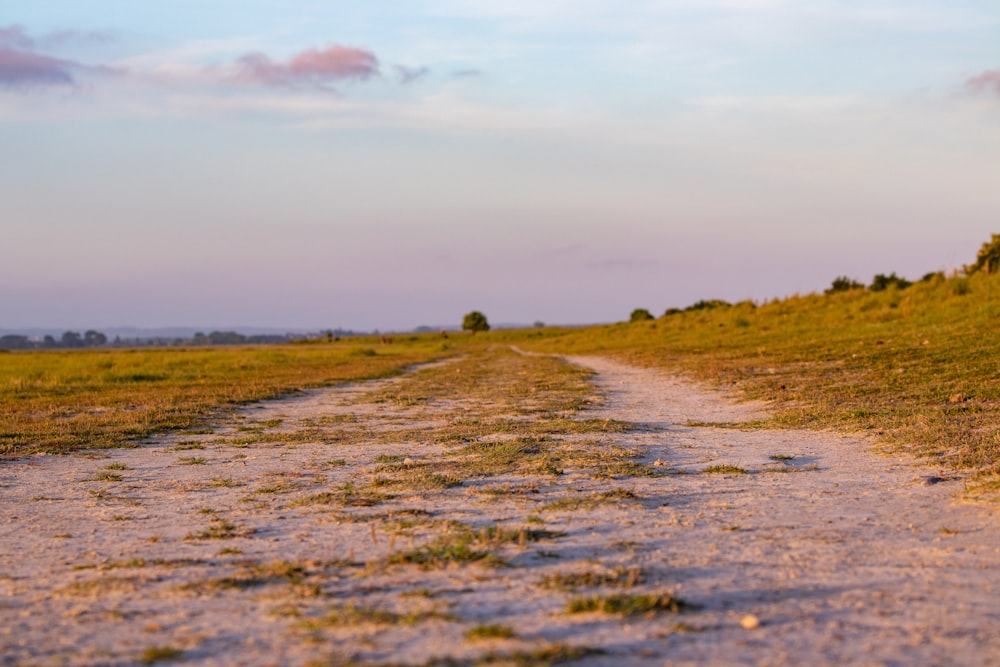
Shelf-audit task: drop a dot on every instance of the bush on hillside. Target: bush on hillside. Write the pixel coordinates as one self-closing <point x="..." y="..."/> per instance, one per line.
<point x="933" y="277"/>
<point x="640" y="315"/>
<point x="882" y="282"/>
<point x="843" y="284"/>
<point x="709" y="304"/>
<point x="988" y="259"/>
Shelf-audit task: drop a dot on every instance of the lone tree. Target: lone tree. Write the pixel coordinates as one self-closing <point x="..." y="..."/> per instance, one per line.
<point x="640" y="315"/>
<point x="475" y="321"/>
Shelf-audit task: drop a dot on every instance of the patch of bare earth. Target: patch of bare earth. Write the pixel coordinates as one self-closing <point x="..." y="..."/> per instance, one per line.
<point x="386" y="523"/>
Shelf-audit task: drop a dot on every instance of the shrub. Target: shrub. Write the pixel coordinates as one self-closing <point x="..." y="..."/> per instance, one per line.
<point x="933" y="277"/>
<point x="710" y="304"/>
<point x="882" y="282"/>
<point x="640" y="315"/>
<point x="475" y="321"/>
<point x="843" y="284"/>
<point x="988" y="259"/>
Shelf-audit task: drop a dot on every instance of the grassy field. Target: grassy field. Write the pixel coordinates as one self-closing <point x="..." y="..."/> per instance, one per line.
<point x="60" y="401"/>
<point x="916" y="368"/>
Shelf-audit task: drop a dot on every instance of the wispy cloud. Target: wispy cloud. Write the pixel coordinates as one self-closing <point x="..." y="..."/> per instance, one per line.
<point x="406" y="75"/>
<point x="23" y="66"/>
<point x="15" y="37"/>
<point x="985" y="82"/>
<point x="312" y="67"/>
<point x="25" y="69"/>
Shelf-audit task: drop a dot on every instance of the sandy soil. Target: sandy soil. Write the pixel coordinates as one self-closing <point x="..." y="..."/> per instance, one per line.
<point x="840" y="555"/>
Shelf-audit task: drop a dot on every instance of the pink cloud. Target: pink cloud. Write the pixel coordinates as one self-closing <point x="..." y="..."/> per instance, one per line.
<point x="311" y="67"/>
<point x="19" y="68"/>
<point x="987" y="82"/>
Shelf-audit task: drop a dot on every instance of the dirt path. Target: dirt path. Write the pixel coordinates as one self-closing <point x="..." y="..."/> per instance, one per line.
<point x="855" y="559"/>
<point x="274" y="539"/>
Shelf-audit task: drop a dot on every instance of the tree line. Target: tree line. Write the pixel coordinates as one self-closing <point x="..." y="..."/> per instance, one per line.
<point x="96" y="339"/>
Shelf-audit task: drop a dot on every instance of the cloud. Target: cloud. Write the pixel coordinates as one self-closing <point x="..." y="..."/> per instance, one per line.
<point x="406" y="75"/>
<point x="21" y="64"/>
<point x="23" y="68"/>
<point x="14" y="37"/>
<point x="985" y="82"/>
<point x="312" y="67"/>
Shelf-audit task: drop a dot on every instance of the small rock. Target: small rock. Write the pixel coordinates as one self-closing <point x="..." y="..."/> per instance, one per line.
<point x="407" y="462"/>
<point x="749" y="622"/>
<point x="956" y="398"/>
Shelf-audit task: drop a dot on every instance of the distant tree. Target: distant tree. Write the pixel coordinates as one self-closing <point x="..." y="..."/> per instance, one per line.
<point x="843" y="284"/>
<point x="93" y="338"/>
<point x="14" y="342"/>
<point x="475" y="321"/>
<point x="539" y="324"/>
<point x="640" y="315"/>
<point x="882" y="282"/>
<point x="71" y="339"/>
<point x="226" y="338"/>
<point x="672" y="311"/>
<point x="49" y="341"/>
<point x="988" y="259"/>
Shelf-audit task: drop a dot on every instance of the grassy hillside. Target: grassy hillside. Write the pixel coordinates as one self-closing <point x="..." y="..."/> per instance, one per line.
<point x="918" y="368"/>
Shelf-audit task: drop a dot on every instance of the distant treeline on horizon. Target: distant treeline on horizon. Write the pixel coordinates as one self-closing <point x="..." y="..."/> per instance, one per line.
<point x="96" y="339"/>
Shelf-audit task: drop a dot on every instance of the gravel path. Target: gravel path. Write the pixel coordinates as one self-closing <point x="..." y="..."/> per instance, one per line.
<point x="837" y="555"/>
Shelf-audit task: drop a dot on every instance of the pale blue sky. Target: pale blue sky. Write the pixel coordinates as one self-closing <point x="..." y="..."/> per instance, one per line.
<point x="386" y="165"/>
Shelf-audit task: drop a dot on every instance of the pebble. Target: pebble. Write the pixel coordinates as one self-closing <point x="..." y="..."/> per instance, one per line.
<point x="749" y="622"/>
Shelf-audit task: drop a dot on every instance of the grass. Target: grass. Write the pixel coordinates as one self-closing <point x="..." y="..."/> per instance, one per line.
<point x="589" y="501"/>
<point x="626" y="605"/>
<point x="220" y="529"/>
<point x="154" y="654"/>
<point x="252" y="576"/>
<point x="463" y="544"/>
<point x="545" y="656"/>
<point x="65" y="400"/>
<point x="725" y="469"/>
<point x="348" y="494"/>
<point x="570" y="581"/>
<point x="489" y="631"/>
<point x="355" y="614"/>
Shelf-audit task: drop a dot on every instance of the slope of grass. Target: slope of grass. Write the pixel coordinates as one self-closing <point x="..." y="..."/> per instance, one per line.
<point x="916" y="368"/>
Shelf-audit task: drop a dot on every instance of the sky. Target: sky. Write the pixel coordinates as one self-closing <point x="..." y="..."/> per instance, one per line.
<point x="316" y="164"/>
